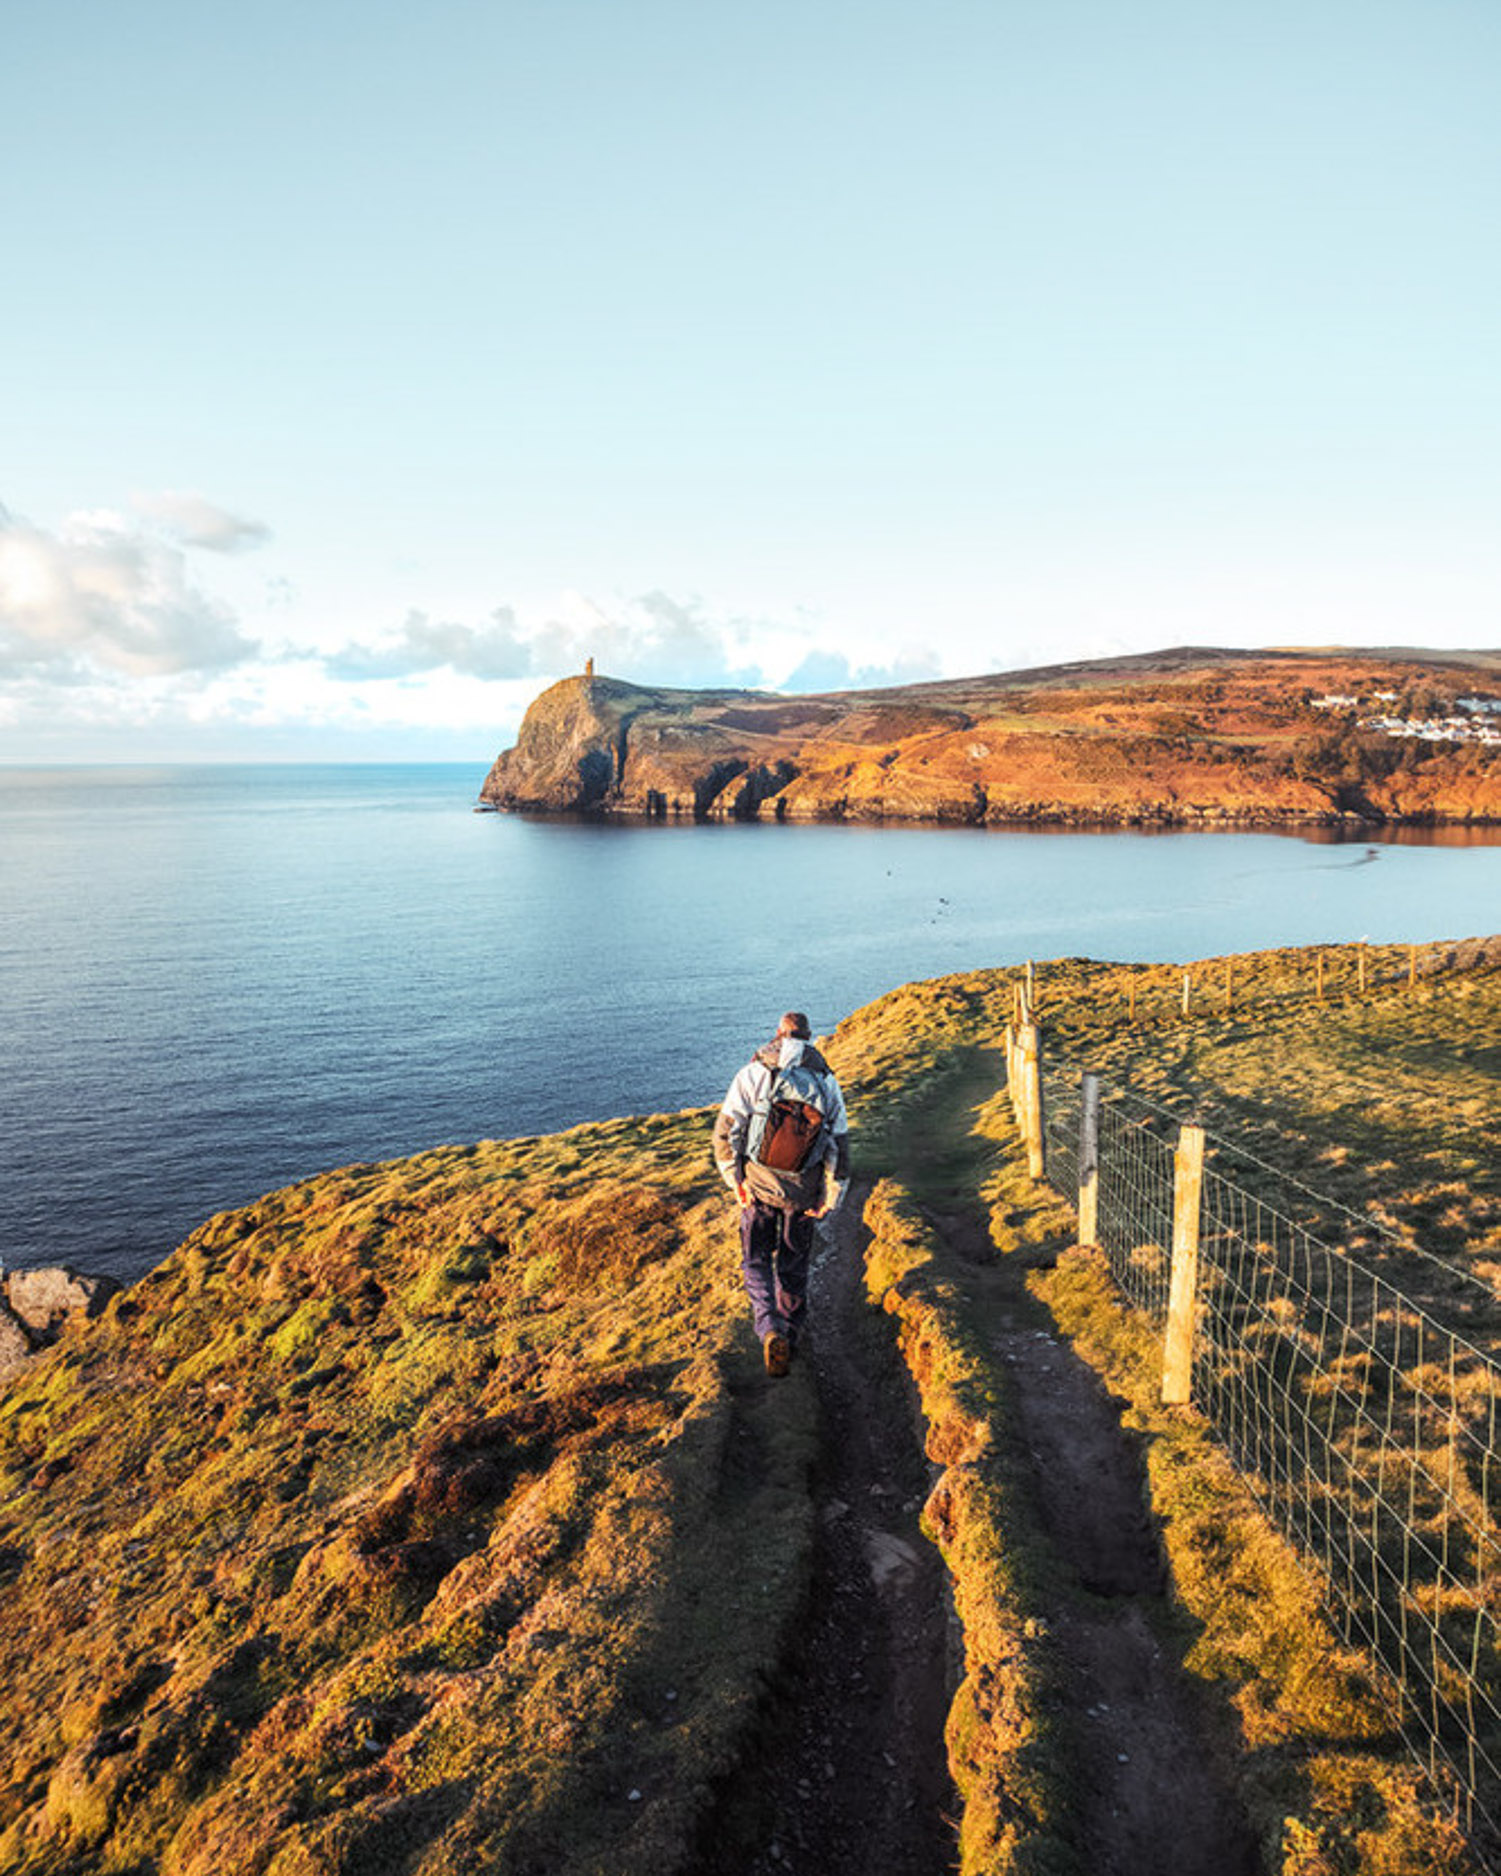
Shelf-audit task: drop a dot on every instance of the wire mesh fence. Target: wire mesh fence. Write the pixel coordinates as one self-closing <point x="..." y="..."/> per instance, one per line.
<point x="1151" y="995"/>
<point x="1367" y="1427"/>
<point x="1136" y="1206"/>
<point x="1061" y="1112"/>
<point x="1369" y="1430"/>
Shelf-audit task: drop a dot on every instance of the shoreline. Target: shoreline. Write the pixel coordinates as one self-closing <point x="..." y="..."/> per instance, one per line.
<point x="1059" y="820"/>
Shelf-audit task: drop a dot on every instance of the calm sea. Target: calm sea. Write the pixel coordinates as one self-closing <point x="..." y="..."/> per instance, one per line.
<point x="217" y="980"/>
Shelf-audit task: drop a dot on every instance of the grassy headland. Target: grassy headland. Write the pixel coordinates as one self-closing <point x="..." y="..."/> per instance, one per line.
<point x="1197" y="736"/>
<point x="436" y="1514"/>
<point x="422" y="1515"/>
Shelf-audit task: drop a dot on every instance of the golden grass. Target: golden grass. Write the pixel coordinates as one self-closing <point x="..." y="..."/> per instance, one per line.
<point x="416" y="1517"/>
<point x="1326" y="1784"/>
<point x="412" y="1518"/>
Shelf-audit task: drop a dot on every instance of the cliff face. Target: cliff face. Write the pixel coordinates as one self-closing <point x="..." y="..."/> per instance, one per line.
<point x="1184" y="738"/>
<point x="598" y="745"/>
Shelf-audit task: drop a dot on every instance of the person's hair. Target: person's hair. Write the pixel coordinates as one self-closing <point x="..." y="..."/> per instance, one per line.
<point x="794" y="1023"/>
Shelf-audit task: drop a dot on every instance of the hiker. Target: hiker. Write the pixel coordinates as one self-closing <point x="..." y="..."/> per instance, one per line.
<point x="781" y="1143"/>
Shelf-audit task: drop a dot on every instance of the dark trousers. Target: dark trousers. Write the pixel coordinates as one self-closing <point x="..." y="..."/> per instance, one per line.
<point x="774" y="1249"/>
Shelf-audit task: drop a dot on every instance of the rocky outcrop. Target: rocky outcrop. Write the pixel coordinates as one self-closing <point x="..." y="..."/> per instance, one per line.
<point x="16" y="1346"/>
<point x="39" y="1304"/>
<point x="597" y="745"/>
<point x="1194" y="738"/>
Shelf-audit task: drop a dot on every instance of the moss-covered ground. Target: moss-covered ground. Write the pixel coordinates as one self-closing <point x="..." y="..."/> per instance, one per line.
<point x="425" y="1516"/>
<point x="438" y="1515"/>
<point x="1380" y="1094"/>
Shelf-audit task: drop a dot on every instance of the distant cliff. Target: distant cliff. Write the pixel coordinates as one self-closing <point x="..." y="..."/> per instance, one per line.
<point x="1177" y="738"/>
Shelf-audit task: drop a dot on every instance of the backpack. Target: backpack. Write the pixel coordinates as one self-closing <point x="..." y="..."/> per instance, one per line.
<point x="788" y="1120"/>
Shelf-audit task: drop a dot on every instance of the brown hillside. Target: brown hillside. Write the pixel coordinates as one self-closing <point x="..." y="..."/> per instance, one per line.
<point x="1179" y="738"/>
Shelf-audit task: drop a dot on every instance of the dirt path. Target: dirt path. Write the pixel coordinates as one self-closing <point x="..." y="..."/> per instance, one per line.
<point x="852" y="1776"/>
<point x="1152" y="1788"/>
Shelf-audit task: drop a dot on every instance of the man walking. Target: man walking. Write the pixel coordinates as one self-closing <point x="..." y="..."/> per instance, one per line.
<point x="781" y="1143"/>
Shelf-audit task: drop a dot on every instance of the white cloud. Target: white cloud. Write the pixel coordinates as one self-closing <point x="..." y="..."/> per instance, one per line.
<point x="283" y="711"/>
<point x="101" y="595"/>
<point x="492" y="651"/>
<point x="198" y="522"/>
<point x="108" y="648"/>
<point x="651" y="640"/>
<point x="655" y="639"/>
<point x="831" y="670"/>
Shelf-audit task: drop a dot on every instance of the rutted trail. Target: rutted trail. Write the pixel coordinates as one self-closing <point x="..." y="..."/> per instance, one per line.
<point x="1143" y="1763"/>
<point x="1144" y="1679"/>
<point x="850" y="1776"/>
<point x="1151" y="1795"/>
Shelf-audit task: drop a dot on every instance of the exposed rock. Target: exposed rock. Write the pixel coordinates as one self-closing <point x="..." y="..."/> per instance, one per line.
<point x="49" y="1296"/>
<point x="15" y="1344"/>
<point x="1194" y="738"/>
<point x="597" y="745"/>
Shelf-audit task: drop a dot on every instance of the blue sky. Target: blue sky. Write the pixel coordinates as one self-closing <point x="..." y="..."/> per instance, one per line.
<point x="362" y="369"/>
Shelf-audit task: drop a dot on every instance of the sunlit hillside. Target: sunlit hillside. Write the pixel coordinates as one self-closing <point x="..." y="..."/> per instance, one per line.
<point x="389" y="1521"/>
<point x="439" y="1514"/>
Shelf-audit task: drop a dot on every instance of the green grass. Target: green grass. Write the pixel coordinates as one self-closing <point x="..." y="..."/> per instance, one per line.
<point x="1327" y="1786"/>
<point x="415" y="1517"/>
<point x="1007" y="1736"/>
<point x="417" y="1514"/>
<point x="1388" y="1102"/>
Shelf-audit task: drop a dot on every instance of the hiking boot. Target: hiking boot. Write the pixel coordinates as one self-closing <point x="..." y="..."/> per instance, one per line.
<point x="778" y="1352"/>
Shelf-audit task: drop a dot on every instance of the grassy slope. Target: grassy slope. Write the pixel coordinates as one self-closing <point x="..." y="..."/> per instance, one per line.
<point x="1326" y="1786"/>
<point x="418" y="1516"/>
<point x="421" y="1513"/>
<point x="1386" y="1102"/>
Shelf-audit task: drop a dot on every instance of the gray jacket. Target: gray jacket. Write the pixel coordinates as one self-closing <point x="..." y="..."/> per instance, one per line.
<point x="822" y="1182"/>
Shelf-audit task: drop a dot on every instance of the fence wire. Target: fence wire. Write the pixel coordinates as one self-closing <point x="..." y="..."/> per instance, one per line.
<point x="1135" y="1226"/>
<point x="1061" y="1110"/>
<point x="1135" y="1206"/>
<point x="1367" y="1428"/>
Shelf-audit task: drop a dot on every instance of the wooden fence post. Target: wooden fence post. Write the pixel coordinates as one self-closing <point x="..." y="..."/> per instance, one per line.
<point x="1031" y="1077"/>
<point x="1360" y="959"/>
<point x="1089" y="1159"/>
<point x="1178" y="1349"/>
<point x="1318" y="976"/>
<point x="1031" y="992"/>
<point x="1187" y="985"/>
